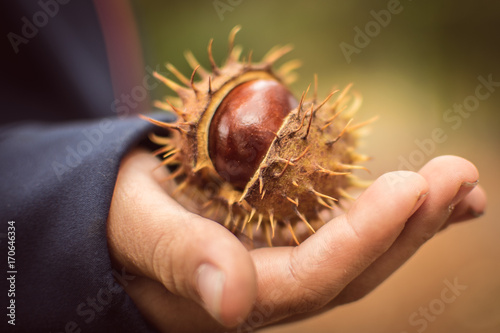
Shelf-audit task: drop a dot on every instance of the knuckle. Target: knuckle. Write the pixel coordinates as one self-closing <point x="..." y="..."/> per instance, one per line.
<point x="312" y="296"/>
<point x="426" y="235"/>
<point x="161" y="263"/>
<point x="310" y="302"/>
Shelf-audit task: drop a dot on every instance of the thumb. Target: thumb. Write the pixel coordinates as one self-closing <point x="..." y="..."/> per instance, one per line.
<point x="150" y="234"/>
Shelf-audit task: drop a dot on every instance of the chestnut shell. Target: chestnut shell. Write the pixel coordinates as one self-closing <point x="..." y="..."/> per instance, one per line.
<point x="287" y="164"/>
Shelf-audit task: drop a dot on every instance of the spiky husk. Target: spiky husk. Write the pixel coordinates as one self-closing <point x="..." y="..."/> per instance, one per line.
<point x="306" y="169"/>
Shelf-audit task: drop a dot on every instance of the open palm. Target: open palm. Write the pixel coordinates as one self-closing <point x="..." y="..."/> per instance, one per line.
<point x="193" y="275"/>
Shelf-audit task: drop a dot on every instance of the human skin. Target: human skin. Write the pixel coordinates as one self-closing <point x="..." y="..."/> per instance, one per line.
<point x="193" y="275"/>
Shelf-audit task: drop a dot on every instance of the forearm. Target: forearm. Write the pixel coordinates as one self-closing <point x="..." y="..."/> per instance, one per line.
<point x="57" y="184"/>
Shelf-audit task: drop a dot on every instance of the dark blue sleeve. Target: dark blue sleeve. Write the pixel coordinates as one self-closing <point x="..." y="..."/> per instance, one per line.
<point x="56" y="188"/>
<point x="60" y="149"/>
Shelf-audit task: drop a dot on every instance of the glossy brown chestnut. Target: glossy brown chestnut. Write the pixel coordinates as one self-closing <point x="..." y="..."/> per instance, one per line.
<point x="244" y="126"/>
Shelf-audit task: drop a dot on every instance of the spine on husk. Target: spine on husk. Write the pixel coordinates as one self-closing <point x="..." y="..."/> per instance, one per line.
<point x="307" y="168"/>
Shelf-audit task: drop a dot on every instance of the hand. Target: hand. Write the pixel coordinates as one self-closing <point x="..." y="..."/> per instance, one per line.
<point x="193" y="275"/>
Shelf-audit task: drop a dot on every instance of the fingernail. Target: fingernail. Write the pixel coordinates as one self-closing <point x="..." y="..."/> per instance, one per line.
<point x="420" y="199"/>
<point x="475" y="214"/>
<point x="211" y="286"/>
<point x="464" y="187"/>
<point x="470" y="184"/>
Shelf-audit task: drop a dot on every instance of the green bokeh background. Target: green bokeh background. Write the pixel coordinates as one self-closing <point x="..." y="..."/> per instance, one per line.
<point x="427" y="58"/>
<point x="423" y="62"/>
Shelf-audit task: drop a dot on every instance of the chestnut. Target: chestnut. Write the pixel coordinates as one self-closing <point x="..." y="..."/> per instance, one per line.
<point x="243" y="152"/>
<point x="244" y="125"/>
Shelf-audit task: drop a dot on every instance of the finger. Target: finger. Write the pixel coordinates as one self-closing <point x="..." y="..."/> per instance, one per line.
<point x="472" y="206"/>
<point x="450" y="180"/>
<point x="304" y="278"/>
<point x="191" y="256"/>
<point x="168" y="312"/>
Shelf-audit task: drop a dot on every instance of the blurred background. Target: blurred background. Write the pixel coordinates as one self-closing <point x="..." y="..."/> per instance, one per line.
<point x="413" y="68"/>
